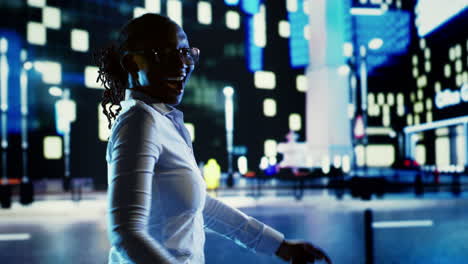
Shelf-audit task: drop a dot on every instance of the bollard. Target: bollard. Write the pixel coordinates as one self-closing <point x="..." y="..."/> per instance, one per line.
<point x="26" y="193"/>
<point x="456" y="186"/>
<point x="418" y="185"/>
<point x="368" y="236"/>
<point x="5" y="195"/>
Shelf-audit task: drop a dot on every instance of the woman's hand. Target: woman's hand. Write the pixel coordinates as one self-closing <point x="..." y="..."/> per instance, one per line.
<point x="301" y="252"/>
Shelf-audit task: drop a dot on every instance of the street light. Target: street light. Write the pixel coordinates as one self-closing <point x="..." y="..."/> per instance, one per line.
<point x="65" y="114"/>
<point x="228" y="92"/>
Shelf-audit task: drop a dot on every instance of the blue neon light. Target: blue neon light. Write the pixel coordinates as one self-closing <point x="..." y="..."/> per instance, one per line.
<point x="254" y="53"/>
<point x="298" y="45"/>
<point x="231" y="2"/>
<point x="392" y="27"/>
<point x="431" y="14"/>
<point x="15" y="66"/>
<point x="250" y="6"/>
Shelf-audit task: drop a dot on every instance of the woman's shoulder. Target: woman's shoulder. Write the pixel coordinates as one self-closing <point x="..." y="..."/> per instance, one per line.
<point x="135" y="111"/>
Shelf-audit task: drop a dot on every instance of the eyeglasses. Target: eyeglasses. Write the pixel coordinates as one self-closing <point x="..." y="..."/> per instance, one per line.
<point x="189" y="56"/>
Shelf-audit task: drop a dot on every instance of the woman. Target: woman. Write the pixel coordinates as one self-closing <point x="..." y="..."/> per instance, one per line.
<point x="158" y="206"/>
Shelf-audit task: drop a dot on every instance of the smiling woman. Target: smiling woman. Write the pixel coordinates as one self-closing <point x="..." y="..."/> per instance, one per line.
<point x="152" y="55"/>
<point x="157" y="201"/>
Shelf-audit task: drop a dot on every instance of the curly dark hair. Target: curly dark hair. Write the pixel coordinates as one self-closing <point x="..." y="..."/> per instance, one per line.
<point x="114" y="77"/>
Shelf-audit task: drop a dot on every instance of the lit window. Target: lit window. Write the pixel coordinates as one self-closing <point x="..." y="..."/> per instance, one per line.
<point x="415" y="60"/>
<point x="36" y="33"/>
<point x="380" y="98"/>
<point x="153" y="6"/>
<point x="458" y="51"/>
<point x="284" y="29"/>
<point x="264" y="80"/>
<point x="437" y="87"/>
<point x="344" y="70"/>
<point x="270" y="148"/>
<point x="351" y="110"/>
<point x="259" y="21"/>
<point x="427" y="53"/>
<point x="422" y="43"/>
<point x="66" y="110"/>
<point x="443" y="131"/>
<point x="139" y="11"/>
<point x="307" y="32"/>
<point x="420" y="154"/>
<point x="461" y="146"/>
<point x="429" y="117"/>
<point x="232" y="20"/>
<point x="400" y="98"/>
<point x="346" y="164"/>
<point x="391" y="99"/>
<point x="291" y="5"/>
<point x="348" y="49"/>
<point x="79" y="40"/>
<point x="428" y="104"/>
<point x="263" y="163"/>
<point x="51" y="71"/>
<point x="91" y="74"/>
<point x="51" y="17"/>
<point x="325" y="164"/>
<point x="295" y="122"/>
<point x="417" y="119"/>
<point x="465" y="77"/>
<point x="420" y="94"/>
<point x="459" y="80"/>
<point x="398" y="3"/>
<point x="447" y="71"/>
<point x="301" y="83"/>
<point x="409" y="120"/>
<point x="272" y="160"/>
<point x="415" y="72"/>
<point x="380" y="155"/>
<point x="458" y="66"/>
<point x="174" y="11"/>
<point x="104" y="131"/>
<point x="53" y="147"/>
<point x="371" y="99"/>
<point x="55" y="91"/>
<point x="204" y="12"/>
<point x="452" y="54"/>
<point x="386" y="115"/>
<point x="427" y="66"/>
<point x="306" y="7"/>
<point x="37" y="3"/>
<point x="442" y="151"/>
<point x="269" y="107"/>
<point x="191" y="129"/>
<point x="359" y="152"/>
<point x="242" y="165"/>
<point x="3" y="45"/>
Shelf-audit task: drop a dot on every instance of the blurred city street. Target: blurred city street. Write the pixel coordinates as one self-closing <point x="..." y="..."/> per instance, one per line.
<point x="58" y="230"/>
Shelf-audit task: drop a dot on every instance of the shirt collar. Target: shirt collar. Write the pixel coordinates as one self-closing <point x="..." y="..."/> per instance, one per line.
<point x="164" y="109"/>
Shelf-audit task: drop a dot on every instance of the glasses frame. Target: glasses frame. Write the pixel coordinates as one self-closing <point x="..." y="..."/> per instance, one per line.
<point x="157" y="53"/>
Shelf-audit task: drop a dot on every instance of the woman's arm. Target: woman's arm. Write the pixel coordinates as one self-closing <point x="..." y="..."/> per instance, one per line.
<point x="132" y="156"/>
<point x="241" y="228"/>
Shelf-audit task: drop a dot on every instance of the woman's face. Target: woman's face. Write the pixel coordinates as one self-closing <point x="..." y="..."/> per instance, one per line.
<point x="165" y="79"/>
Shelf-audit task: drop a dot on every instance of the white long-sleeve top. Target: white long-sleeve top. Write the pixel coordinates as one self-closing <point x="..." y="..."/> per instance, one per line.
<point x="157" y="201"/>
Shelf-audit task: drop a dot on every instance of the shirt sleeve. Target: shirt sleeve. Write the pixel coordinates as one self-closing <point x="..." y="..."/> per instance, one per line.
<point x="133" y="154"/>
<point x="241" y="228"/>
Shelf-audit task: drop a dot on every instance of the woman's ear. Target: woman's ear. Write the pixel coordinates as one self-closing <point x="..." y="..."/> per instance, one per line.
<point x="128" y="63"/>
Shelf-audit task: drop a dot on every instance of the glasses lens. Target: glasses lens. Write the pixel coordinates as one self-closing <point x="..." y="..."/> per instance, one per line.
<point x="188" y="55"/>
